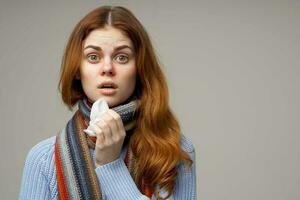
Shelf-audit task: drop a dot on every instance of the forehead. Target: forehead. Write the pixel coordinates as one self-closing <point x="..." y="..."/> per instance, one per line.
<point x="106" y="36"/>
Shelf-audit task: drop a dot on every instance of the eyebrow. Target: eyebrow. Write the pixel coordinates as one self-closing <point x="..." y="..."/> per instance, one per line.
<point x="97" y="48"/>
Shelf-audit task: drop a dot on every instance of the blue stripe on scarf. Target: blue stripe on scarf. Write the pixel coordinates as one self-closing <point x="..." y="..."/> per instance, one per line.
<point x="77" y="157"/>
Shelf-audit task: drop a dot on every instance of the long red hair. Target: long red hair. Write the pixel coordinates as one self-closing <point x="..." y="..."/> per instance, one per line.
<point x="156" y="138"/>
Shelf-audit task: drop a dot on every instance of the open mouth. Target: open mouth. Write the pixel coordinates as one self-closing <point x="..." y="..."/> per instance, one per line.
<point x="108" y="85"/>
<point x="108" y="88"/>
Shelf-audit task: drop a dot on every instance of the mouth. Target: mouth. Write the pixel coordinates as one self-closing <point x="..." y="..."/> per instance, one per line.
<point x="108" y="85"/>
<point x="108" y="88"/>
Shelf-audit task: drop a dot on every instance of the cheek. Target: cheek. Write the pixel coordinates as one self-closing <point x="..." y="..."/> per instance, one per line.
<point x="130" y="77"/>
<point x="88" y="72"/>
<point x="87" y="77"/>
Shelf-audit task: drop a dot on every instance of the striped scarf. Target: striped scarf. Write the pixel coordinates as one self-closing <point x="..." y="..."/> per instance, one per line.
<point x="75" y="169"/>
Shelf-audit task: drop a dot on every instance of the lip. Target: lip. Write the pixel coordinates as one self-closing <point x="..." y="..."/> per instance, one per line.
<point x="108" y="83"/>
<point x="108" y="91"/>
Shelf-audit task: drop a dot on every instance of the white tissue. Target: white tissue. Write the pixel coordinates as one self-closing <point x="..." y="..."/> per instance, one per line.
<point x="99" y="107"/>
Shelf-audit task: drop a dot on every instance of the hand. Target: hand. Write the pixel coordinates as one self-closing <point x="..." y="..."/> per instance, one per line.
<point x="110" y="134"/>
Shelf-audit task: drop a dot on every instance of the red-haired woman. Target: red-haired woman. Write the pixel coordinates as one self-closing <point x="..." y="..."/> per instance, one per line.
<point x="137" y="150"/>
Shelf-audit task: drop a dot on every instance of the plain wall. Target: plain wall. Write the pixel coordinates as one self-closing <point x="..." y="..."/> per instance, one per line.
<point x="233" y="73"/>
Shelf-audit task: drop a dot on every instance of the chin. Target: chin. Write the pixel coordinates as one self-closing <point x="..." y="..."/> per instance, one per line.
<point x="111" y="101"/>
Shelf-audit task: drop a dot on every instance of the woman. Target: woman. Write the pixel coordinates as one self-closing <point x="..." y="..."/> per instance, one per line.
<point x="138" y="151"/>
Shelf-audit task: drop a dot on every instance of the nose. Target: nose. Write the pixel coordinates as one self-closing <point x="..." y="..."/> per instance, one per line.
<point x="108" y="68"/>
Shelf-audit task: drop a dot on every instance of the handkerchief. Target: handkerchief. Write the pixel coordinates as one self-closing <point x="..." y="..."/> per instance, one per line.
<point x="99" y="107"/>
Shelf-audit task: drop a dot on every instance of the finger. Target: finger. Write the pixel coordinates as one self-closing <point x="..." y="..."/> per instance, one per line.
<point x="98" y="130"/>
<point x="95" y="128"/>
<point x="120" y="134"/>
<point x="100" y="140"/>
<point x="111" y="122"/>
<point x="99" y="135"/>
<point x="118" y="121"/>
<point x="105" y="128"/>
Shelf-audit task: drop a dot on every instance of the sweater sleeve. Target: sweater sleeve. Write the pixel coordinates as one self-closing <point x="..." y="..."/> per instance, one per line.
<point x="117" y="183"/>
<point x="185" y="185"/>
<point x="35" y="184"/>
<point x="186" y="180"/>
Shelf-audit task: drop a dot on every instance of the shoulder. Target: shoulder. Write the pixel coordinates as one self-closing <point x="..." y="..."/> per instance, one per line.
<point x="186" y="144"/>
<point x="43" y="148"/>
<point x="41" y="153"/>
<point x="187" y="168"/>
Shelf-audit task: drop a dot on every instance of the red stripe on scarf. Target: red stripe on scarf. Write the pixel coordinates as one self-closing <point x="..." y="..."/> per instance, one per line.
<point x="62" y="190"/>
<point x="146" y="189"/>
<point x="85" y="125"/>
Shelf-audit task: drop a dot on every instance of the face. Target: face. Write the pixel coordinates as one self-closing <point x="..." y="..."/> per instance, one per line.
<point x="108" y="66"/>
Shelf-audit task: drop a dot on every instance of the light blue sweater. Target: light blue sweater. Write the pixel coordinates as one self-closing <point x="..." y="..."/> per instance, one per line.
<point x="39" y="176"/>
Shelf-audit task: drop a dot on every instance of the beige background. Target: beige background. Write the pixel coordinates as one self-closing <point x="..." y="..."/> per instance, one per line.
<point x="233" y="73"/>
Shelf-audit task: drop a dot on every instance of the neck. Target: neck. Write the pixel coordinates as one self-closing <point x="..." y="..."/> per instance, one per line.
<point x="127" y="111"/>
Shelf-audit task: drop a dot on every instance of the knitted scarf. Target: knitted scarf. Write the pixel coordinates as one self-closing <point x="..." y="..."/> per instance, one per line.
<point x="75" y="169"/>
